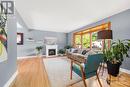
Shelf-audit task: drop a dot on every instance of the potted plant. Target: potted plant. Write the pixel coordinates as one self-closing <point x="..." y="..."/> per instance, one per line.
<point x="39" y="49"/>
<point x="115" y="55"/>
<point x="61" y="52"/>
<point x="67" y="48"/>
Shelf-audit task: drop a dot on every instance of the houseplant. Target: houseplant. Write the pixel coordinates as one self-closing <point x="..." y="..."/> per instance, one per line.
<point x="115" y="55"/>
<point x="39" y="49"/>
<point x="61" y="52"/>
<point x="68" y="48"/>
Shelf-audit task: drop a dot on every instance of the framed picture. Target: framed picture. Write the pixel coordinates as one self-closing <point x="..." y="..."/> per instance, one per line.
<point x="19" y="38"/>
<point x="3" y="36"/>
<point x="3" y="44"/>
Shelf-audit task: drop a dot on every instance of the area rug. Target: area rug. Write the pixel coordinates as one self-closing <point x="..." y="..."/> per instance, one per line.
<point x="58" y="70"/>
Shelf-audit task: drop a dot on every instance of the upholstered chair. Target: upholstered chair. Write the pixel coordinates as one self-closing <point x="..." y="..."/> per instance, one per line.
<point x="88" y="68"/>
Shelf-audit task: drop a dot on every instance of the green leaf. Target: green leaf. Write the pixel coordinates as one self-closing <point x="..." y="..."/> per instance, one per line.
<point x="117" y="51"/>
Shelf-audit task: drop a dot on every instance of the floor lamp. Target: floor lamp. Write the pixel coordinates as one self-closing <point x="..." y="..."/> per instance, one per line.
<point x="104" y="34"/>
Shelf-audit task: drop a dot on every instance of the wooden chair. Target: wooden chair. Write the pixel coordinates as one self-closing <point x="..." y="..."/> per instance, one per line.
<point x="87" y="69"/>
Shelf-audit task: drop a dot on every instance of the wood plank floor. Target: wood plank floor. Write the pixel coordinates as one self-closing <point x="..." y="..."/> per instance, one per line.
<point x="32" y="73"/>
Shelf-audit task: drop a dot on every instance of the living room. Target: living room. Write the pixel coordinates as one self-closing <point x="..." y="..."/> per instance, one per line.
<point x="60" y="43"/>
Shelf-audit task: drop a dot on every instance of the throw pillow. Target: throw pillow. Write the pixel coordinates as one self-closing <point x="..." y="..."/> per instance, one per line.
<point x="84" y="52"/>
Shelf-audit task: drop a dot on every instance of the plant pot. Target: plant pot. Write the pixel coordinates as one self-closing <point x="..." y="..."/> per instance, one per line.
<point x="113" y="69"/>
<point x="61" y="54"/>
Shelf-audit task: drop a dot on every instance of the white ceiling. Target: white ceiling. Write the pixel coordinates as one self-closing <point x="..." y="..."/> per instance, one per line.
<point x="67" y="15"/>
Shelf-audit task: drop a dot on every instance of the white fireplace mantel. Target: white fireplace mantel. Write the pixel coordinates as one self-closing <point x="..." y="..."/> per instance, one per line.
<point x="51" y="47"/>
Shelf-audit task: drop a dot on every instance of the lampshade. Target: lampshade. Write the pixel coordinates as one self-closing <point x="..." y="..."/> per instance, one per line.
<point x="105" y="34"/>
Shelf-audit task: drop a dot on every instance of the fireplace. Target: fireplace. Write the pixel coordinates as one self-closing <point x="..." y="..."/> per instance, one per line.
<point x="51" y="52"/>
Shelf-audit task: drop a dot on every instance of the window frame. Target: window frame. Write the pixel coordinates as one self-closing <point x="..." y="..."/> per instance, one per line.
<point x="90" y="30"/>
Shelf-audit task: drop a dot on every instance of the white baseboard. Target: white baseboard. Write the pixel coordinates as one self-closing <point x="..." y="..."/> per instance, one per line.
<point x="28" y="57"/>
<point x="125" y="70"/>
<point x="25" y="57"/>
<point x="8" y="83"/>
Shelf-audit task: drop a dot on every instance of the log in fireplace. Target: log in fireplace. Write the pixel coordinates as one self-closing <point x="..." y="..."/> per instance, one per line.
<point x="52" y="52"/>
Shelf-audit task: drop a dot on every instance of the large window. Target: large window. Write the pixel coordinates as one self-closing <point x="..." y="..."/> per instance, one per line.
<point x="78" y="42"/>
<point x="88" y="38"/>
<point x="96" y="44"/>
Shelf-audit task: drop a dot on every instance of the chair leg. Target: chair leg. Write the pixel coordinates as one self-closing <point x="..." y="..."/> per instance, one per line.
<point x="99" y="69"/>
<point x="71" y="70"/>
<point x="98" y="80"/>
<point x="110" y="79"/>
<point x="103" y="68"/>
<point x="83" y="76"/>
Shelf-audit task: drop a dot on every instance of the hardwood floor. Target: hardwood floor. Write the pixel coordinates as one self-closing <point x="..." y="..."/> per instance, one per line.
<point x="32" y="73"/>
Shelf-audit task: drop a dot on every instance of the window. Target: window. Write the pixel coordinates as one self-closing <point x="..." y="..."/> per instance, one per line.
<point x="78" y="41"/>
<point x="96" y="44"/>
<point x="88" y="38"/>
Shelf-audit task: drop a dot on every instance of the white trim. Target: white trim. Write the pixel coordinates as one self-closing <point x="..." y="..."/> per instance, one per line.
<point x="125" y="70"/>
<point x="11" y="79"/>
<point x="25" y="57"/>
<point x="28" y="57"/>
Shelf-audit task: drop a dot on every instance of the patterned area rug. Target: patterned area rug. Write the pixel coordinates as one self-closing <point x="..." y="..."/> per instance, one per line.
<point x="58" y="70"/>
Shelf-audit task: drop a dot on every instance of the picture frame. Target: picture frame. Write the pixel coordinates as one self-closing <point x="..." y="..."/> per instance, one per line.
<point x="19" y="38"/>
<point x="3" y="35"/>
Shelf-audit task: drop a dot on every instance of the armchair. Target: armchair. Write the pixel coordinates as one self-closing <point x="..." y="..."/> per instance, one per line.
<point x="88" y="68"/>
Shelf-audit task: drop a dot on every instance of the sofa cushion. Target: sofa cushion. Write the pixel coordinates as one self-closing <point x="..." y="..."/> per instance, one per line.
<point x="74" y="50"/>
